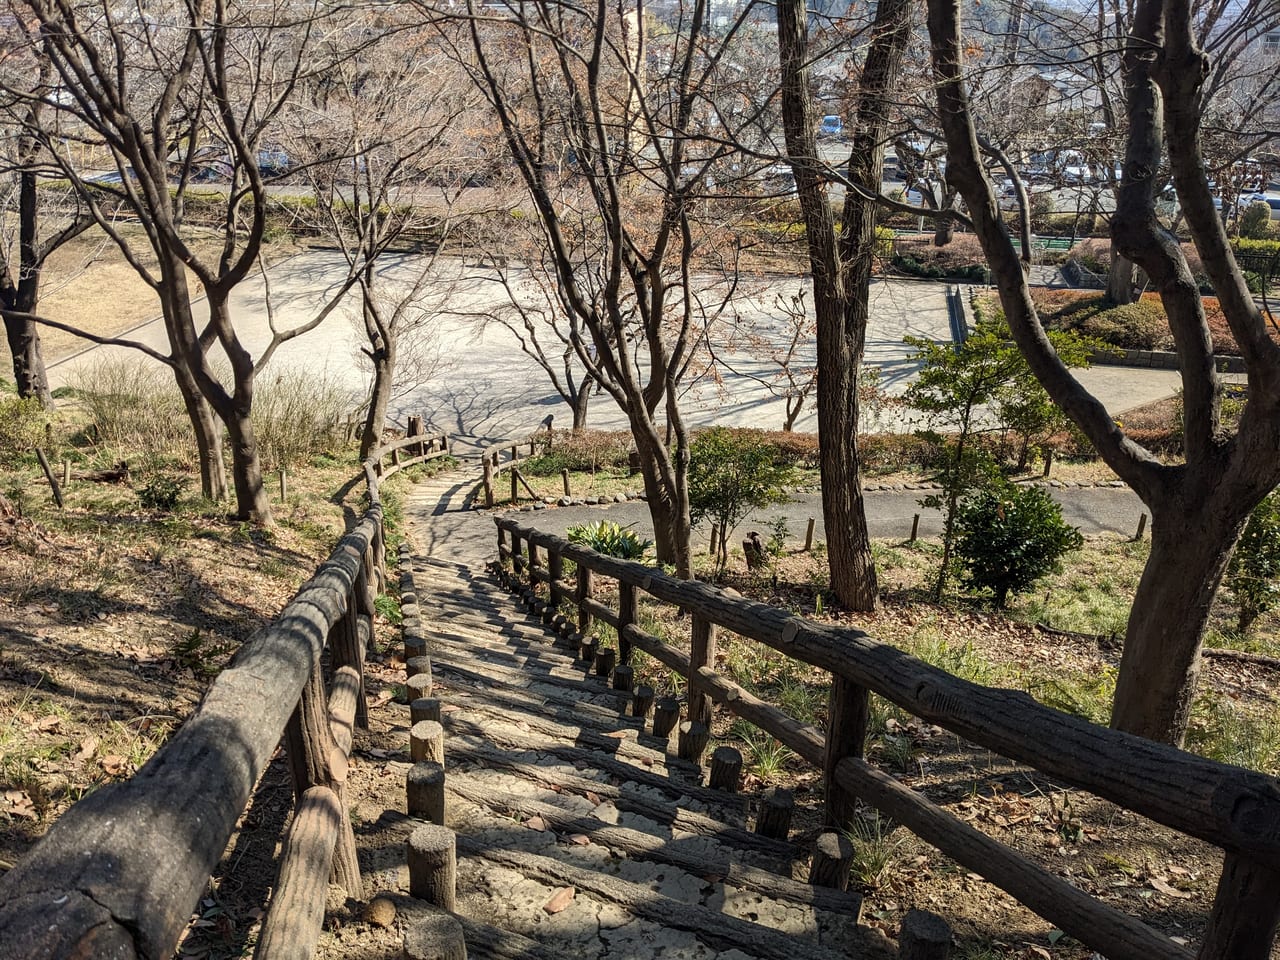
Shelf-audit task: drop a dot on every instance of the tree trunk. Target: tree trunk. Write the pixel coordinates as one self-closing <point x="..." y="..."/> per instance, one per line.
<point x="581" y="401"/>
<point x="1120" y="279"/>
<point x="28" y="362"/>
<point x="208" y="434"/>
<point x="384" y="363"/>
<point x="252" y="502"/>
<point x="1190" y="550"/>
<point x="668" y="508"/>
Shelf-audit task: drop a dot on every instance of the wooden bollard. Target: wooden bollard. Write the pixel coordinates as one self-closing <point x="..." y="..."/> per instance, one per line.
<point x="284" y="485"/>
<point x="66" y="473"/>
<point x="587" y="652"/>
<point x="424" y="708"/>
<point x="915" y="527"/>
<point x="623" y="675"/>
<point x="693" y="740"/>
<point x="414" y="646"/>
<point x="1142" y="527"/>
<point x="416" y="665"/>
<point x="642" y="701"/>
<point x="564" y="475"/>
<point x="665" y="717"/>
<point x="437" y="937"/>
<point x="426" y="741"/>
<point x="924" y="936"/>
<point x="433" y="865"/>
<point x="774" y="816"/>
<point x="831" y="860"/>
<point x="808" y="535"/>
<point x="605" y="660"/>
<point x="419" y="686"/>
<point x="726" y="769"/>
<point x="424" y="784"/>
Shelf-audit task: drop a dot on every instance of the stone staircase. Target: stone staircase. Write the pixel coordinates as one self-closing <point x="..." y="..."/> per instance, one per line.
<point x="579" y="833"/>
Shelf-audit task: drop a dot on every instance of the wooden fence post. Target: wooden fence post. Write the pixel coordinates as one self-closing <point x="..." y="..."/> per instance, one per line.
<point x="1246" y="911"/>
<point x="515" y="488"/>
<point x="316" y="760"/>
<point x="534" y="564"/>
<point x="847" y="713"/>
<point x="583" y="593"/>
<point x="808" y="535"/>
<point x="555" y="573"/>
<point x="702" y="653"/>
<point x="504" y="552"/>
<point x="564" y="475"/>
<point x="517" y="558"/>
<point x="628" y="613"/>
<point x="488" y="482"/>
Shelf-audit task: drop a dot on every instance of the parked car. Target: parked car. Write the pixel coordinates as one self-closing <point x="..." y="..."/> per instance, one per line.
<point x="831" y="126"/>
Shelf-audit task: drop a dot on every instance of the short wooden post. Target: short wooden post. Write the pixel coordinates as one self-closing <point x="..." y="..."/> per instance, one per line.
<point x="48" y="475"/>
<point x="424" y="784"/>
<point x="773" y="819"/>
<point x="726" y="769"/>
<point x="915" y="527"/>
<point x="628" y="614"/>
<point x="419" y="686"/>
<point x="665" y="717"/>
<point x="415" y="645"/>
<point x="642" y="701"/>
<point x="1243" y="922"/>
<point x="395" y="456"/>
<point x="831" y="860"/>
<point x="847" y="713"/>
<point x="1048" y="461"/>
<point x="437" y="937"/>
<point x="515" y="453"/>
<point x="533" y="447"/>
<point x="284" y="485"/>
<point x="515" y="485"/>
<point x="517" y="558"/>
<point x="1142" y="527"/>
<point x="604" y="661"/>
<point x="582" y="594"/>
<point x="433" y="865"/>
<point x="66" y="473"/>
<point x="924" y="936"/>
<point x="808" y="535"/>
<point x="504" y="552"/>
<point x="555" y="573"/>
<point x="488" y="482"/>
<point x="535" y="562"/>
<point x="692" y="741"/>
<point x="426" y="741"/>
<point x="564" y="475"/>
<point x="623" y="677"/>
<point x="417" y="665"/>
<point x="702" y="653"/>
<point x="424" y="708"/>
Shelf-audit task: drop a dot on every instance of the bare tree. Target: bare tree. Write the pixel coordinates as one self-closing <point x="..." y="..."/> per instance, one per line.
<point x="155" y="85"/>
<point x="1198" y="507"/>
<point x="628" y="222"/>
<point x="841" y="264"/>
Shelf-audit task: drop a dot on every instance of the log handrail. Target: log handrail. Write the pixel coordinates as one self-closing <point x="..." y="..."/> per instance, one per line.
<point x="119" y="874"/>
<point x="1232" y="808"/>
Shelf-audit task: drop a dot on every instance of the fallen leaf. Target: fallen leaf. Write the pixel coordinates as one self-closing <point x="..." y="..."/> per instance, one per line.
<point x="617" y="735"/>
<point x="1179" y="871"/>
<point x="1041" y="952"/>
<point x="536" y="823"/>
<point x="581" y="839"/>
<point x="114" y="765"/>
<point x="1168" y="890"/>
<point x="49" y="723"/>
<point x="594" y="798"/>
<point x="18" y="804"/>
<point x="561" y="899"/>
<point x="88" y="746"/>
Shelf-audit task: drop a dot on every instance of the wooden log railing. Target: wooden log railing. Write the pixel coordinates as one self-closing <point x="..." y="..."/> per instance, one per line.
<point x="1232" y="808"/>
<point x="494" y="465"/>
<point x="119" y="874"/>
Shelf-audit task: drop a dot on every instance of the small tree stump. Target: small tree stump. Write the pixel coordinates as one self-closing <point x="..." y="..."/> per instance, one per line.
<point x="417" y="665"/>
<point x="587" y="651"/>
<point x="831" y="860"/>
<point x="424" y="708"/>
<point x="774" y="817"/>
<point x="424" y="784"/>
<point x="605" y="660"/>
<point x="426" y="741"/>
<point x="693" y="740"/>
<point x="665" y="717"/>
<point x="726" y="769"/>
<point x="753" y="550"/>
<point x="433" y="865"/>
<point x="642" y="701"/>
<point x="438" y="937"/>
<point x="623" y="674"/>
<point x="924" y="936"/>
<point x="419" y="686"/>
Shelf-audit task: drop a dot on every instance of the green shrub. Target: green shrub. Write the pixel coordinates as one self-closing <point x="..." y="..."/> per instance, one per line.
<point x="1010" y="536"/>
<point x="161" y="492"/>
<point x="1134" y="326"/>
<point x="730" y="473"/>
<point x="1254" y="574"/>
<point x="21" y="427"/>
<point x="611" y="539"/>
<point x="1255" y="221"/>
